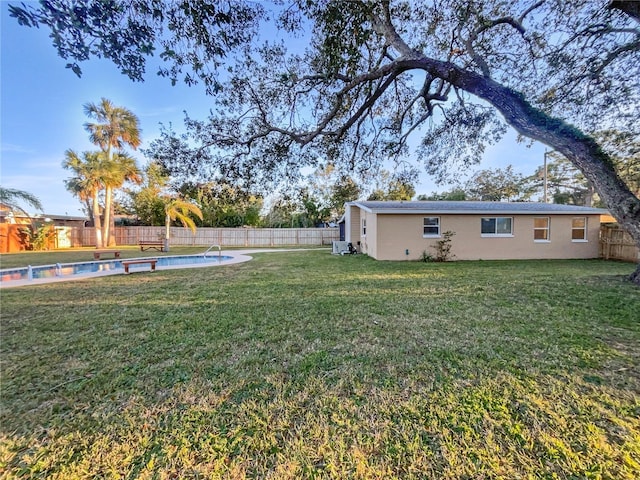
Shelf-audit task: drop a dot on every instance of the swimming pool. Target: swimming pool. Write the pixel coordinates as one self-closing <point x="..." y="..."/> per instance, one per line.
<point x="105" y="267"/>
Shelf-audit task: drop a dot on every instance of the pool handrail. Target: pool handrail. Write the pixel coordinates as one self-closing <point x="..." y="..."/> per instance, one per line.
<point x="211" y="247"/>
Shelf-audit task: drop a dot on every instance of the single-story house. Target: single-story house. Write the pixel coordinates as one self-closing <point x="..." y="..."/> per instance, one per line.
<point x="11" y="217"/>
<point x="11" y="223"/>
<point x="403" y="230"/>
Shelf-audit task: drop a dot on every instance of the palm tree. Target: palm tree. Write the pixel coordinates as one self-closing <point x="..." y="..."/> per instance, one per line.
<point x="11" y="199"/>
<point x="87" y="183"/>
<point x="113" y="129"/>
<point x="178" y="209"/>
<point x="122" y="168"/>
<point x="79" y="185"/>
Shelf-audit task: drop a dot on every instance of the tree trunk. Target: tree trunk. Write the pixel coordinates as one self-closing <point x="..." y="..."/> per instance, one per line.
<point x="167" y="232"/>
<point x="88" y="210"/>
<point x="108" y="205"/>
<point x="579" y="148"/>
<point x="107" y="214"/>
<point x="96" y="221"/>
<point x="112" y="227"/>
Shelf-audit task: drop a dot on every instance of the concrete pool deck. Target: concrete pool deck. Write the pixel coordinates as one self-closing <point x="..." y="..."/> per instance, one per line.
<point x="238" y="256"/>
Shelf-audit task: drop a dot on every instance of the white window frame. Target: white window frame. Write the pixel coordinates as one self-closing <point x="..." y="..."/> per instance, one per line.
<point x="364" y="227"/>
<point x="436" y="225"/>
<point x="546" y="229"/>
<point x="495" y="234"/>
<point x="584" y="239"/>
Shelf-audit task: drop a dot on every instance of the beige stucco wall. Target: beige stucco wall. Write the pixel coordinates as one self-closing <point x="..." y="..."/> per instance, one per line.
<point x="391" y="236"/>
<point x="368" y="243"/>
<point x="353" y="225"/>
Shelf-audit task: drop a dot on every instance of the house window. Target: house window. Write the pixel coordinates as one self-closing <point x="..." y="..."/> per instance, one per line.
<point x="579" y="229"/>
<point x="431" y="227"/>
<point x="496" y="227"/>
<point x="364" y="227"/>
<point x="541" y="229"/>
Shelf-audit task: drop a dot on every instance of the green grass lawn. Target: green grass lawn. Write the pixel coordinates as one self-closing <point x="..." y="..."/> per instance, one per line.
<point x="307" y="365"/>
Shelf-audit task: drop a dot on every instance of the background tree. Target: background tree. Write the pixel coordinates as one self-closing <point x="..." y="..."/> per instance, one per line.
<point x="624" y="150"/>
<point x="120" y="169"/>
<point x="323" y="193"/>
<point x="146" y="203"/>
<point x="13" y="199"/>
<point x="396" y="186"/>
<point x="181" y="162"/>
<point x="401" y="189"/>
<point x="177" y="209"/>
<point x="455" y="194"/>
<point x="87" y="183"/>
<point x="496" y="185"/>
<point x="75" y="186"/>
<point x="113" y="129"/>
<point x="221" y="203"/>
<point x="279" y="213"/>
<point x="224" y="204"/>
<point x="376" y="74"/>
<point x="344" y="190"/>
<point x="315" y="210"/>
<point x="565" y="183"/>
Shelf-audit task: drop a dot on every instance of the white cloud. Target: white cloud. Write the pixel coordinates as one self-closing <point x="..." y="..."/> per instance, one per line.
<point x="10" y="147"/>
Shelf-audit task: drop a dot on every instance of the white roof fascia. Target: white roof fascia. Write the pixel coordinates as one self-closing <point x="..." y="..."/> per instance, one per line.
<point x="347" y="223"/>
<point x="365" y="208"/>
<point x="476" y="208"/>
<point x="399" y="211"/>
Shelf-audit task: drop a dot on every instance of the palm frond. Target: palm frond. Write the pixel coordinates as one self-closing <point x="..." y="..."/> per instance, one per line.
<point x="12" y="197"/>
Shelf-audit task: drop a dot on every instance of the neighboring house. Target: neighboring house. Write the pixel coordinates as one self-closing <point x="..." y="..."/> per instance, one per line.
<point x="7" y="216"/>
<point x="11" y="223"/>
<point x="483" y="230"/>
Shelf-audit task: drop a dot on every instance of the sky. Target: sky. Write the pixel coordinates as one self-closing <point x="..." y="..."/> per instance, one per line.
<point x="41" y="116"/>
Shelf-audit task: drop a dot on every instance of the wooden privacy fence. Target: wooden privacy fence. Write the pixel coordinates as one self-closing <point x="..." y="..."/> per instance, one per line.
<point x="617" y="244"/>
<point x="225" y="237"/>
<point x="10" y="240"/>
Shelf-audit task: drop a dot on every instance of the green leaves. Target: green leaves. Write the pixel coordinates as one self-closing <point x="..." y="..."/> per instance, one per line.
<point x="116" y="127"/>
<point x="127" y="33"/>
<point x="363" y="83"/>
<point x="13" y="199"/>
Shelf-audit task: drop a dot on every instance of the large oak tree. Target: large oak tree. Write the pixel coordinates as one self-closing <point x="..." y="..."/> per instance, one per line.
<point x="375" y="79"/>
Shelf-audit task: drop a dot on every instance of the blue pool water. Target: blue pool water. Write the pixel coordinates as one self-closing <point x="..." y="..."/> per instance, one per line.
<point x="66" y="269"/>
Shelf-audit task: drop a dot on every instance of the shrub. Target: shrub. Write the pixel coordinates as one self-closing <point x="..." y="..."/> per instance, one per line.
<point x="443" y="248"/>
<point x="37" y="237"/>
<point x="426" y="257"/>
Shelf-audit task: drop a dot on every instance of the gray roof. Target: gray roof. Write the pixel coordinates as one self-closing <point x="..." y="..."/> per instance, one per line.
<point x="39" y="216"/>
<point x="446" y="207"/>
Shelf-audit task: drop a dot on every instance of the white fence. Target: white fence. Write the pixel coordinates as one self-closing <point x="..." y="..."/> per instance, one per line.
<point x="225" y="237"/>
